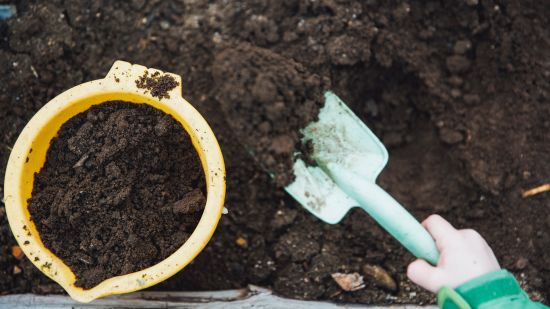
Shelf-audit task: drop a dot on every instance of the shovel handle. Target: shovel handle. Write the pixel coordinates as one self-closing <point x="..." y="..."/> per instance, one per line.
<point x="383" y="208"/>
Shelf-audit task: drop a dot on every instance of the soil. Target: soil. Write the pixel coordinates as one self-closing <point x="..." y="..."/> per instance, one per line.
<point x="458" y="92"/>
<point x="268" y="98"/>
<point x="157" y="84"/>
<point x="121" y="190"/>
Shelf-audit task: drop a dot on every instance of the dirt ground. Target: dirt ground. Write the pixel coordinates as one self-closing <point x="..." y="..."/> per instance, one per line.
<point x="458" y="91"/>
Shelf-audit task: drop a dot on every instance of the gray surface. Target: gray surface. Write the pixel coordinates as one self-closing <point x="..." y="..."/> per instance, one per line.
<point x="248" y="298"/>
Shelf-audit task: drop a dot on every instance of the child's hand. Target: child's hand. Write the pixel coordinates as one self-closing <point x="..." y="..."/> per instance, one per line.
<point x="464" y="255"/>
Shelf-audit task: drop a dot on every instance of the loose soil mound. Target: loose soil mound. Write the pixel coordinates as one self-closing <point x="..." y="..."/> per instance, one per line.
<point x="458" y="91"/>
<point x="268" y="98"/>
<point x="121" y="190"/>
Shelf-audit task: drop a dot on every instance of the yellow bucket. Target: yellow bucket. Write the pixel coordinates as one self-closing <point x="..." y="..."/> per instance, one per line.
<point x="29" y="154"/>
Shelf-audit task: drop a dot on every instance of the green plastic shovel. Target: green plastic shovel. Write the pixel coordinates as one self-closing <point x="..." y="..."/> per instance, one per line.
<point x="349" y="157"/>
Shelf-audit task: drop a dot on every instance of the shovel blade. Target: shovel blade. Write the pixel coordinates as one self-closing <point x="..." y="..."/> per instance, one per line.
<point x="340" y="137"/>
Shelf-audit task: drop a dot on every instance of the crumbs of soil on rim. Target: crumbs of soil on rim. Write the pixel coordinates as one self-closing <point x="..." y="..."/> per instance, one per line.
<point x="158" y="84"/>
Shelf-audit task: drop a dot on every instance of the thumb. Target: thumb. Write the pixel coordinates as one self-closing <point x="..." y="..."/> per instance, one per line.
<point x="425" y="275"/>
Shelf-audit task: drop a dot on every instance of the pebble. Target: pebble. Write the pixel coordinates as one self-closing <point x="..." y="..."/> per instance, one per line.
<point x="164" y="25"/>
<point x="17" y="270"/>
<point x="380" y="276"/>
<point x="217" y="38"/>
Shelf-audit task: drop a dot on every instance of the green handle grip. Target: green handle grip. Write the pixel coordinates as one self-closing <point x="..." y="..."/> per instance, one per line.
<point x="395" y="219"/>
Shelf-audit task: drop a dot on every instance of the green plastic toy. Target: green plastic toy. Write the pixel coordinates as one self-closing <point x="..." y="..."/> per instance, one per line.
<point x="349" y="157"/>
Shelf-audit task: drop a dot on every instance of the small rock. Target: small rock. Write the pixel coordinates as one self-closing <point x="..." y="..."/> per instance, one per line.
<point x="17" y="253"/>
<point x="457" y="64"/>
<point x="380" y="277"/>
<point x="521" y="263"/>
<point x="349" y="282"/>
<point x="217" y="38"/>
<point x="450" y="136"/>
<point x="241" y="242"/>
<point x="164" y="25"/>
<point x="462" y="46"/>
<point x="472" y="2"/>
<point x="192" y="22"/>
<point x="17" y="270"/>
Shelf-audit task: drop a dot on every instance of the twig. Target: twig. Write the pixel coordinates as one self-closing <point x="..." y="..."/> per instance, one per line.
<point x="536" y="190"/>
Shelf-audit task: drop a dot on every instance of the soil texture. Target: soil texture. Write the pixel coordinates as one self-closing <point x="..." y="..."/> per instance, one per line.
<point x="268" y="98"/>
<point x="458" y="91"/>
<point x="121" y="190"/>
<point x="157" y="84"/>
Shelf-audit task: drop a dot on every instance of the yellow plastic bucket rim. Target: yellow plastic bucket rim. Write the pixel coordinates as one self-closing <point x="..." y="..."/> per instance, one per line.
<point x="119" y="84"/>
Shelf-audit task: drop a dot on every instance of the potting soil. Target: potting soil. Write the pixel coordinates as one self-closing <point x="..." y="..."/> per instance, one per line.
<point x="121" y="190"/>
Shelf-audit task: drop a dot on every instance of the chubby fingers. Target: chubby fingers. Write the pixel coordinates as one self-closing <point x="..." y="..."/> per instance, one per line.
<point x="425" y="275"/>
<point x="442" y="231"/>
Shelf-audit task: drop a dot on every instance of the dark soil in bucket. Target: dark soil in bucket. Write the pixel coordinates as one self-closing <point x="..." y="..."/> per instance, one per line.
<point x="457" y="91"/>
<point x="121" y="190"/>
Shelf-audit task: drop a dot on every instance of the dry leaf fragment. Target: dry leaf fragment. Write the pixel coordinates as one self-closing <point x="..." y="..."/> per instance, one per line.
<point x="349" y="282"/>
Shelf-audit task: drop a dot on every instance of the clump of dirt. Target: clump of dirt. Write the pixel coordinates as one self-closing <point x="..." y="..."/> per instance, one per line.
<point x="121" y="190"/>
<point x="158" y="84"/>
<point x="268" y="99"/>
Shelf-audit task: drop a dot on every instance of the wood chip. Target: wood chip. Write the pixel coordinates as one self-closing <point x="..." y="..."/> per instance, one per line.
<point x="349" y="282"/>
<point x="536" y="190"/>
<point x="17" y="253"/>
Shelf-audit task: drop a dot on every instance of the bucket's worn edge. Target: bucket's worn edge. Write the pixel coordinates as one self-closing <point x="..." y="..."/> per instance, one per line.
<point x="250" y="297"/>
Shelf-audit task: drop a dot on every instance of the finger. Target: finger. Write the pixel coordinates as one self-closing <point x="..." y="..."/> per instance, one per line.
<point x="442" y="231"/>
<point x="425" y="275"/>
